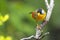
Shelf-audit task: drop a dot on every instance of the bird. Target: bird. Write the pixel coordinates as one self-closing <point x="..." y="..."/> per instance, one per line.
<point x="39" y="14"/>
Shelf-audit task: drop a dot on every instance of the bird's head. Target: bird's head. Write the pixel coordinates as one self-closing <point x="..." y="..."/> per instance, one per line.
<point x="41" y="14"/>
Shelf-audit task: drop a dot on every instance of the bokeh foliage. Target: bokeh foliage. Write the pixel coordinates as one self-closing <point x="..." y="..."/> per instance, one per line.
<point x="21" y="24"/>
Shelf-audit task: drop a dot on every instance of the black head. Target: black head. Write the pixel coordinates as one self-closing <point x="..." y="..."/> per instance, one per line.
<point x="41" y="11"/>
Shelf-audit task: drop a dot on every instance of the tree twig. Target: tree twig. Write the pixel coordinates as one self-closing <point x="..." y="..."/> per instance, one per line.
<point x="38" y="30"/>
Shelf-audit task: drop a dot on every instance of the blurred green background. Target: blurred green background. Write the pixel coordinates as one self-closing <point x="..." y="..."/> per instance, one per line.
<point x="21" y="24"/>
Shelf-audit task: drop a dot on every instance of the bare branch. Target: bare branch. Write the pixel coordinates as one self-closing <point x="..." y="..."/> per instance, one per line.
<point x="27" y="38"/>
<point x="47" y="4"/>
<point x="49" y="9"/>
<point x="45" y="34"/>
<point x="38" y="30"/>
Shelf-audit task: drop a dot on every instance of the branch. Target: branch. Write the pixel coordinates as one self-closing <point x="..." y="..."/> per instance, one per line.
<point x="43" y="35"/>
<point x="39" y="34"/>
<point x="47" y="4"/>
<point x="49" y="12"/>
<point x="28" y="38"/>
<point x="49" y="9"/>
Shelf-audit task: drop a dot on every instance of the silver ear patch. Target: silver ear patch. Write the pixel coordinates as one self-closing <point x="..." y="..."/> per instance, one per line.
<point x="42" y="11"/>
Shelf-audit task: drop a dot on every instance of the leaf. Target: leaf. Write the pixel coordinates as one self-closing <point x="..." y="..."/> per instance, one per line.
<point x="3" y="19"/>
<point x="5" y="38"/>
